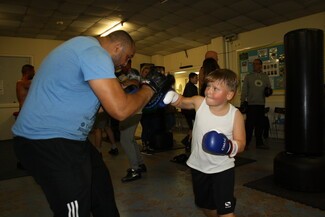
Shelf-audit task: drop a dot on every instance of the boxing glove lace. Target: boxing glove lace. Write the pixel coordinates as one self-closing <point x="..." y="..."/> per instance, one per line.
<point x="218" y="144"/>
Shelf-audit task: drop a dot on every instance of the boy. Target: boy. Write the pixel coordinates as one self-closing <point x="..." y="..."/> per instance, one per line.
<point x="218" y="135"/>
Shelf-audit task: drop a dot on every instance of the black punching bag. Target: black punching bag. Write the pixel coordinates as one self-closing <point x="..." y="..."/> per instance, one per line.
<point x="304" y="91"/>
<point x="301" y="166"/>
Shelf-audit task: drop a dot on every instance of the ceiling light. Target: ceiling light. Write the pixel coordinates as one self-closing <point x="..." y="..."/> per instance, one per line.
<point x="113" y="28"/>
<point x="179" y="72"/>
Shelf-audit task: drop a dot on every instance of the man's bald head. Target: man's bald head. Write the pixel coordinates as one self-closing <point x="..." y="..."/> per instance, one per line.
<point x="211" y="54"/>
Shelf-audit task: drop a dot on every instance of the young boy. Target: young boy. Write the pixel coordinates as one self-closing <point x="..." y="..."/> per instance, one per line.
<point x="218" y="135"/>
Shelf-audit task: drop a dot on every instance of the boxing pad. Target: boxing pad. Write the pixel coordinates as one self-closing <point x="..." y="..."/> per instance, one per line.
<point x="218" y="144"/>
<point x="268" y="91"/>
<point x="161" y="84"/>
<point x="157" y="81"/>
<point x="156" y="102"/>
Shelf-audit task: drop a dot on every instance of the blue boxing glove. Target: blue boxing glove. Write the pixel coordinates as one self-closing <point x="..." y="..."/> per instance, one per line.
<point x="131" y="89"/>
<point x="218" y="144"/>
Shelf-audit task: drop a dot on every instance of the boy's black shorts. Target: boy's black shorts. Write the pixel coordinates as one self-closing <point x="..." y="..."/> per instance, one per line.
<point x="215" y="191"/>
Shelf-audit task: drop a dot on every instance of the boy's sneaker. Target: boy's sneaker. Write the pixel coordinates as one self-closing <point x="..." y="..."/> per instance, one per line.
<point x="113" y="151"/>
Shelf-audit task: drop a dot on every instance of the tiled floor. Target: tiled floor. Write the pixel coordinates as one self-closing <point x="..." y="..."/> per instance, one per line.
<point x="165" y="190"/>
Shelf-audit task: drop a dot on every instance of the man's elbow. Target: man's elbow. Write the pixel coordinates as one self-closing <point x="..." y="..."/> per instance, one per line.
<point x="120" y="115"/>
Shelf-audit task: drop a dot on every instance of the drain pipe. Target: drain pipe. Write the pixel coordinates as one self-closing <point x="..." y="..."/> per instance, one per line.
<point x="228" y="39"/>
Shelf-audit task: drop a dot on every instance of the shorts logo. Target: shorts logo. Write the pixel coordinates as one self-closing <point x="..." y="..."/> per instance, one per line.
<point x="228" y="204"/>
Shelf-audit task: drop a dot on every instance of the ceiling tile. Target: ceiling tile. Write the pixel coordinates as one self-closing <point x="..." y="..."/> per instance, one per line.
<point x="15" y="9"/>
<point x="241" y="20"/>
<point x="156" y="28"/>
<point x="261" y="14"/>
<point x="245" y="6"/>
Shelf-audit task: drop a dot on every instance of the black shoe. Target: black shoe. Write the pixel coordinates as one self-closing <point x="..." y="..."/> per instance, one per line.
<point x="142" y="168"/>
<point x="181" y="159"/>
<point x="147" y="151"/>
<point x="131" y="175"/>
<point x="113" y="151"/>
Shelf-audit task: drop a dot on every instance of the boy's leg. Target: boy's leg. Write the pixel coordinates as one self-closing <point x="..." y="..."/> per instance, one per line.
<point x="223" y="185"/>
<point x="214" y="192"/>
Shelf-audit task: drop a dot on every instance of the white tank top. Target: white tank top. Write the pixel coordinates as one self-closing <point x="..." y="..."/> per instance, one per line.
<point x="205" y="121"/>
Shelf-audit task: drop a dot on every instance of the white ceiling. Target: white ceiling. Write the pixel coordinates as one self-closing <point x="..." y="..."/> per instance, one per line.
<point x="159" y="27"/>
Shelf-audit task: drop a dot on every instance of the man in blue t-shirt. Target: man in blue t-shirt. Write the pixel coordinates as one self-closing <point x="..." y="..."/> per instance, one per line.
<point x="59" y="111"/>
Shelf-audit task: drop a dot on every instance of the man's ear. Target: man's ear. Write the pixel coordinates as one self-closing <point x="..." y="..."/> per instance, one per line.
<point x="117" y="48"/>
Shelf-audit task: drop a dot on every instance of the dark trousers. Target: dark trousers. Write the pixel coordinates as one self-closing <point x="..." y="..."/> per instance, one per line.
<point x="255" y="121"/>
<point x="189" y="116"/>
<point x="72" y="174"/>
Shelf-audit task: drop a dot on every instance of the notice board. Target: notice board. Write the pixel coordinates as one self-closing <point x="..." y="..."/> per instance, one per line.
<point x="272" y="57"/>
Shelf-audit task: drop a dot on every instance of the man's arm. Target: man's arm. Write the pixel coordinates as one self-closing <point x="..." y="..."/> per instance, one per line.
<point x="116" y="102"/>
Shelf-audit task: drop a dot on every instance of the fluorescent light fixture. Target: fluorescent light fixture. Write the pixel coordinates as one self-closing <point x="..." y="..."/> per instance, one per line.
<point x="113" y="28"/>
<point x="180" y="72"/>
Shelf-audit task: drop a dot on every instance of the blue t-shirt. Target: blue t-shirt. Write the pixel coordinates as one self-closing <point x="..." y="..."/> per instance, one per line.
<point x="60" y="102"/>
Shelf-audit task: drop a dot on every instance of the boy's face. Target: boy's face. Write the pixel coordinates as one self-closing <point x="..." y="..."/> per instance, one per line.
<point x="217" y="93"/>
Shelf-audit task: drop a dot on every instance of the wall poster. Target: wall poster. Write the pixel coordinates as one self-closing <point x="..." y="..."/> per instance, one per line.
<point x="272" y="57"/>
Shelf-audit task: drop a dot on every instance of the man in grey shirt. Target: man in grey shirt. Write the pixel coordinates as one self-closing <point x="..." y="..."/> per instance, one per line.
<point x="255" y="88"/>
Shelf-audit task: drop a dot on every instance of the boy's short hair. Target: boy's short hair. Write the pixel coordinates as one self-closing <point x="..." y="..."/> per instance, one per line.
<point x="227" y="76"/>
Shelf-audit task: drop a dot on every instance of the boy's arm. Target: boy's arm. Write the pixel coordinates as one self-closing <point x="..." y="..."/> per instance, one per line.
<point x="239" y="133"/>
<point x="182" y="102"/>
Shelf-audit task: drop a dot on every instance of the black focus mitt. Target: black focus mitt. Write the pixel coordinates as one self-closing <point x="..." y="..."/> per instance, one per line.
<point x="161" y="84"/>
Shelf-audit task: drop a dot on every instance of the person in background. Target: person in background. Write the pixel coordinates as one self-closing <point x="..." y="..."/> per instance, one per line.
<point x="22" y="87"/>
<point x="211" y="54"/>
<point x="170" y="111"/>
<point x="253" y="98"/>
<point x="130" y="81"/>
<point x="208" y="66"/>
<point x="218" y="135"/>
<point x="102" y="123"/>
<point x="189" y="91"/>
<point x="146" y="120"/>
<point x="51" y="131"/>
